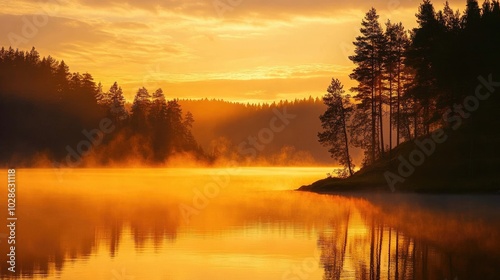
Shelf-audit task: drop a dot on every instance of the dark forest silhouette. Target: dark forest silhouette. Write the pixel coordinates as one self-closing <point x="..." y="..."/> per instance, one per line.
<point x="46" y="117"/>
<point x="406" y="82"/>
<point x="419" y="81"/>
<point x="46" y="110"/>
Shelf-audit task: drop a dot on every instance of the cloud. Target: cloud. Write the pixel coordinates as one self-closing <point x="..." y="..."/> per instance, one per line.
<point x="55" y="31"/>
<point x="185" y="7"/>
<point x="128" y="25"/>
<point x="275" y="9"/>
<point x="93" y="46"/>
<point x="254" y="85"/>
<point x="270" y="49"/>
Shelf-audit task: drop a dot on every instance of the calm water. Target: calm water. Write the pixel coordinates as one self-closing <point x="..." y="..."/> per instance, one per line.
<point x="123" y="224"/>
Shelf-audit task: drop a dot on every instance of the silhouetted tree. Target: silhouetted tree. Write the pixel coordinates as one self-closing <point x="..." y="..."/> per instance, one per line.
<point x="368" y="58"/>
<point x="115" y="101"/>
<point x="174" y="118"/>
<point x="140" y="111"/>
<point x="421" y="56"/>
<point x="42" y="105"/>
<point x="334" y="122"/>
<point x="190" y="142"/>
<point x="472" y="15"/>
<point x="161" y="131"/>
<point x="422" y="77"/>
<point x="449" y="19"/>
<point x="48" y="110"/>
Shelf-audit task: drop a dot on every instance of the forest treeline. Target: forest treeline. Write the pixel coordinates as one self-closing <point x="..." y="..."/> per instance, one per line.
<point x="48" y="112"/>
<point x="222" y="126"/>
<point x="52" y="117"/>
<point x="413" y="82"/>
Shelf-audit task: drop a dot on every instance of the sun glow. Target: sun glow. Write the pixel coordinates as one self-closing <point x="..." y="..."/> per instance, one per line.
<point x="252" y="54"/>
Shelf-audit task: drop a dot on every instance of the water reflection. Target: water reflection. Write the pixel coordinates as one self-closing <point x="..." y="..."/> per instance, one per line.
<point x="452" y="237"/>
<point x="91" y="227"/>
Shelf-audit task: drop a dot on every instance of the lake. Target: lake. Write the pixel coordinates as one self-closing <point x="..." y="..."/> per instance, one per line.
<point x="240" y="223"/>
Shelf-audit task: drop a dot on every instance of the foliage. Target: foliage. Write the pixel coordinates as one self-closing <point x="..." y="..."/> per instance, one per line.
<point x="48" y="114"/>
<point x="334" y="123"/>
<point x="409" y="80"/>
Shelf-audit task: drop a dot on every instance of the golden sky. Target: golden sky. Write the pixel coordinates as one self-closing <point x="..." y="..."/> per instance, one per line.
<point x="238" y="50"/>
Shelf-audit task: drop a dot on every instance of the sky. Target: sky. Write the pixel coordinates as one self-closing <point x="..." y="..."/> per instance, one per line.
<point x="236" y="50"/>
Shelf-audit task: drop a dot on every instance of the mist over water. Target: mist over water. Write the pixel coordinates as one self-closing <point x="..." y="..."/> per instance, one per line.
<point x="241" y="223"/>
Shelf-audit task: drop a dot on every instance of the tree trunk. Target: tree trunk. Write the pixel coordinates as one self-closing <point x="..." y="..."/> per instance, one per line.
<point x="344" y="125"/>
<point x="381" y="119"/>
<point x="390" y="113"/>
<point x="415" y="122"/>
<point x="398" y="113"/>
<point x="373" y="110"/>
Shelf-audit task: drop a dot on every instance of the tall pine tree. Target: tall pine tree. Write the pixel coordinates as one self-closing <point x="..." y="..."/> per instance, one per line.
<point x="368" y="57"/>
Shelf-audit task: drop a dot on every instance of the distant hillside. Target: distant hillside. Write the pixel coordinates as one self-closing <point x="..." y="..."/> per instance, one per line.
<point x="223" y="129"/>
<point x="65" y="119"/>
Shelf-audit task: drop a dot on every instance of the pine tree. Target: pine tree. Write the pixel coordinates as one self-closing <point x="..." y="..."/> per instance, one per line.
<point x="116" y="104"/>
<point x="368" y="59"/>
<point x="334" y="122"/>
<point x="62" y="76"/>
<point x="175" y="120"/>
<point x="140" y="110"/>
<point x="449" y="19"/>
<point x="188" y="120"/>
<point x="446" y="64"/>
<point x="100" y="96"/>
<point x="189" y="141"/>
<point x="472" y="15"/>
<point x="158" y="112"/>
<point x="397" y="44"/>
<point x="421" y="57"/>
<point x="159" y="125"/>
